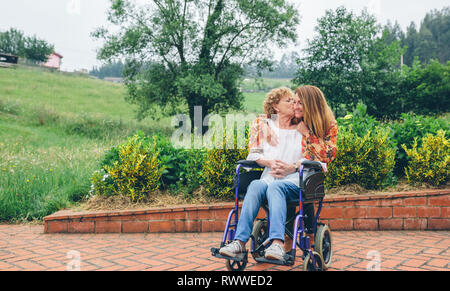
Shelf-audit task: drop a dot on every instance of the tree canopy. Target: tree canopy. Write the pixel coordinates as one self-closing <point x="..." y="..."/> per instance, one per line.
<point x="193" y="51"/>
<point x="14" y="42"/>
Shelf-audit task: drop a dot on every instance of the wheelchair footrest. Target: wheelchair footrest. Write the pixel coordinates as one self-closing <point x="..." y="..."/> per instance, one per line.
<point x="288" y="261"/>
<point x="238" y="258"/>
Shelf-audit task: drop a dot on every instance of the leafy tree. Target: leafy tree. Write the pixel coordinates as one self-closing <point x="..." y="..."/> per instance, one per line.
<point x="113" y="69"/>
<point x="350" y="62"/>
<point x="427" y="87"/>
<point x="196" y="49"/>
<point x="431" y="40"/>
<point x="32" y="48"/>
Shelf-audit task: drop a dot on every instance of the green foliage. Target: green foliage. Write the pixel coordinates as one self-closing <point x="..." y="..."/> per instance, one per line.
<point x="367" y="161"/>
<point x="137" y="173"/>
<point x="431" y="40"/>
<point x="359" y="121"/>
<point x="334" y="57"/>
<point x="14" y="42"/>
<point x="174" y="56"/>
<point x="427" y="88"/>
<point x="219" y="168"/>
<point x="409" y="128"/>
<point x="429" y="163"/>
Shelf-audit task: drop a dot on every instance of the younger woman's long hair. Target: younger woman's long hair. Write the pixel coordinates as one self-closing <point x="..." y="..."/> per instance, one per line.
<point x="317" y="115"/>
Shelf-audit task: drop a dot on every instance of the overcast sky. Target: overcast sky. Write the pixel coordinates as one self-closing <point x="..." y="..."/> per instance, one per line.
<point x="68" y="23"/>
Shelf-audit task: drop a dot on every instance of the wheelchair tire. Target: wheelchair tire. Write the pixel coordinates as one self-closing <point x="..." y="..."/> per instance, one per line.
<point x="323" y="244"/>
<point x="259" y="235"/>
<point x="236" y="266"/>
<point x="308" y="264"/>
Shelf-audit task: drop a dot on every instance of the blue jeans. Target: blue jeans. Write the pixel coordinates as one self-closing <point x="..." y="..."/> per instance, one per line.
<point x="276" y="195"/>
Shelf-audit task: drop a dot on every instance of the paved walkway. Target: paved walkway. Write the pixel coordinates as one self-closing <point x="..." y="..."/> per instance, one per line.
<point x="25" y="247"/>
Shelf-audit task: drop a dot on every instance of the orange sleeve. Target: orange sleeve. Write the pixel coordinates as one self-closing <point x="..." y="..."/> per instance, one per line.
<point x="321" y="149"/>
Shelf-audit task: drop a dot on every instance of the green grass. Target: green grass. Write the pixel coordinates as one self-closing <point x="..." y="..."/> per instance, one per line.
<point x="54" y="130"/>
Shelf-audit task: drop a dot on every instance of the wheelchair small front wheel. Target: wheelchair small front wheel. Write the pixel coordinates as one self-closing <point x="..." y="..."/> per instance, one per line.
<point x="323" y="244"/>
<point x="236" y="266"/>
<point x="259" y="235"/>
<point x="308" y="264"/>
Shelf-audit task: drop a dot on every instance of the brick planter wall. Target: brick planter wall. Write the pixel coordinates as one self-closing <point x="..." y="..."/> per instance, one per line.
<point x="420" y="210"/>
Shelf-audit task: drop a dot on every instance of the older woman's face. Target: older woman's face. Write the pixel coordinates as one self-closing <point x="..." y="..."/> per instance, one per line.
<point x="285" y="106"/>
<point x="298" y="107"/>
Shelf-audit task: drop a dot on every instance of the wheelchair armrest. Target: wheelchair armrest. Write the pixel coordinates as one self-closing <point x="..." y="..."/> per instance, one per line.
<point x="312" y="165"/>
<point x="250" y="164"/>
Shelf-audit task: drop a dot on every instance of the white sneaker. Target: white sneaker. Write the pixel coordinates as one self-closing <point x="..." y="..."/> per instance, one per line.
<point x="232" y="249"/>
<point x="275" y="252"/>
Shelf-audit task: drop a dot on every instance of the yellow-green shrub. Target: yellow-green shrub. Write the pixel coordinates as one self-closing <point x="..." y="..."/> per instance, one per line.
<point x="429" y="163"/>
<point x="219" y="168"/>
<point x="138" y="172"/>
<point x="367" y="161"/>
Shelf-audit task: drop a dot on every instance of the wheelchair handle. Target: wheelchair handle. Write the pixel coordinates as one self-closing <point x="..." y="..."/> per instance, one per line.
<point x="250" y="164"/>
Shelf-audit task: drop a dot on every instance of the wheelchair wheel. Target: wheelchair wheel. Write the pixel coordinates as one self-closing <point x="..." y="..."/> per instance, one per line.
<point x="323" y="244"/>
<point x="236" y="266"/>
<point x="259" y="235"/>
<point x="308" y="263"/>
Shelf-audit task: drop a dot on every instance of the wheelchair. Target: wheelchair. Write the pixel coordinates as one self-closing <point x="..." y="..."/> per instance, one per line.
<point x="311" y="191"/>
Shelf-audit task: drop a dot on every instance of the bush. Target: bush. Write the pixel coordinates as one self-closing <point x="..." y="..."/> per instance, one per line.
<point x="430" y="162"/>
<point x="367" y="161"/>
<point x="359" y="121"/>
<point x="407" y="129"/>
<point x="219" y="168"/>
<point x="138" y="171"/>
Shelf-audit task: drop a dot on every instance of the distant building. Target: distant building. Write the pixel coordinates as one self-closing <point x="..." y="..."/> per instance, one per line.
<point x="54" y="61"/>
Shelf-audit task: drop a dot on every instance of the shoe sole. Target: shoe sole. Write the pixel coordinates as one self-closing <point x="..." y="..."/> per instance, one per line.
<point x="229" y="254"/>
<point x="273" y="257"/>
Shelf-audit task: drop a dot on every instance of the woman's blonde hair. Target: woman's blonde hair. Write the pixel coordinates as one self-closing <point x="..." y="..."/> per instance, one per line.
<point x="317" y="115"/>
<point x="273" y="98"/>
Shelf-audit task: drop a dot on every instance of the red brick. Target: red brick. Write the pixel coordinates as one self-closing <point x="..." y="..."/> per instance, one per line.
<point x="108" y="227"/>
<point x="416" y="201"/>
<point x="148" y="217"/>
<point x="222" y="213"/>
<point x="415" y="223"/>
<point x="365" y="224"/>
<point x="439" y="224"/>
<point x="445" y="212"/>
<point x="355" y="212"/>
<point x="219" y="225"/>
<point x="341" y="224"/>
<point x="335" y="212"/>
<point x="439" y="200"/>
<point x="391" y="224"/>
<point x="81" y="227"/>
<point x="404" y="211"/>
<point x="188" y="226"/>
<point x="122" y="218"/>
<point x="57" y="227"/>
<point x="201" y="214"/>
<point x="207" y="226"/>
<point x="380" y="212"/>
<point x="134" y="226"/>
<point x="341" y="204"/>
<point x="424" y="211"/>
<point x="179" y="215"/>
<point x="161" y="226"/>
<point x="367" y="203"/>
<point x="391" y="202"/>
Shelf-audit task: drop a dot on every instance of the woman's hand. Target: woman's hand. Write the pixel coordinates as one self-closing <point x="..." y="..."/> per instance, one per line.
<point x="268" y="134"/>
<point x="281" y="169"/>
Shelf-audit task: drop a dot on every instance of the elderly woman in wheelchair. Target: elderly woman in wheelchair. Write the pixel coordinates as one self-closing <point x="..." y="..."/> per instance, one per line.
<point x="293" y="158"/>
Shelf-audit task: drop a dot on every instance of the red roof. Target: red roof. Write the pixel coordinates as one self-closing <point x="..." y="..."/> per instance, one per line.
<point x="58" y="55"/>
